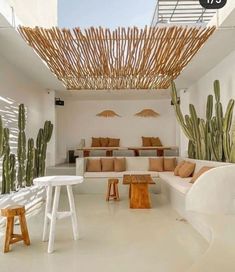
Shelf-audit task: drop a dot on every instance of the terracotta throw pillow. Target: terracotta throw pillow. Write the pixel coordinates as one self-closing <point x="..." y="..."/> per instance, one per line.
<point x="104" y="142"/>
<point x="107" y="165"/>
<point x="156" y="164"/>
<point x="146" y="141"/>
<point x="169" y="164"/>
<point x="119" y="164"/>
<point x="155" y="141"/>
<point x="93" y="165"/>
<point x="199" y="173"/>
<point x="187" y="169"/>
<point x="95" y="142"/>
<point x="114" y="142"/>
<point x="176" y="171"/>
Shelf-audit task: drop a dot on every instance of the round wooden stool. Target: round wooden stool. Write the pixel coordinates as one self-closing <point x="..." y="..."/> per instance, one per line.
<point x="11" y="238"/>
<point x="112" y="186"/>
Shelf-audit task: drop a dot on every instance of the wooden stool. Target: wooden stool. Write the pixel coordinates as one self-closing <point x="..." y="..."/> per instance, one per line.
<point x="112" y="186"/>
<point x="10" y="237"/>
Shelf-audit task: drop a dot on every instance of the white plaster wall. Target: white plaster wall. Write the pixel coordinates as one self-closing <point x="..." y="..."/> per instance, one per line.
<point x="77" y="120"/>
<point x="17" y="88"/>
<point x="198" y="92"/>
<point x="35" y="12"/>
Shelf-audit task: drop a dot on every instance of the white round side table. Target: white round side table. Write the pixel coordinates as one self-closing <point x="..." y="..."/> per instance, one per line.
<point x="51" y="212"/>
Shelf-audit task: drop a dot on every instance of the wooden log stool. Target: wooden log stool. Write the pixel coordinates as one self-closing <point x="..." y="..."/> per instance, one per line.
<point x="10" y="237"/>
<point x="112" y="191"/>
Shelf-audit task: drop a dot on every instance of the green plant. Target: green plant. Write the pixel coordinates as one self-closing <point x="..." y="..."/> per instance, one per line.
<point x="8" y="167"/>
<point x="30" y="163"/>
<point x="21" y="150"/>
<point x="44" y="136"/>
<point x="36" y="157"/>
<point x="209" y="139"/>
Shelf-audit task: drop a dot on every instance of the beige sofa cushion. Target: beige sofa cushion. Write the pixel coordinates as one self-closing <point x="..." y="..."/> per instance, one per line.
<point x="104" y="142"/>
<point x="200" y="172"/>
<point x="187" y="169"/>
<point x="107" y="165"/>
<point x="146" y="141"/>
<point x="119" y="164"/>
<point x="155" y="141"/>
<point x="181" y="185"/>
<point x="169" y="164"/>
<point x="93" y="165"/>
<point x="177" y="168"/>
<point x="156" y="164"/>
<point x="113" y="142"/>
<point x="95" y="142"/>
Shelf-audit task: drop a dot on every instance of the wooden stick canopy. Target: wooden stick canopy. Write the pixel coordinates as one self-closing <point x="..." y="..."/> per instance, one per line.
<point x="125" y="58"/>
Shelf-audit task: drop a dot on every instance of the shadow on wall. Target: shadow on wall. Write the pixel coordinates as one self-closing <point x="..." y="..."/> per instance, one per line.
<point x="9" y="112"/>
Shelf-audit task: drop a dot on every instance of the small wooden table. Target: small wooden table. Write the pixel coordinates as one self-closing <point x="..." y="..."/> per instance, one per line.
<point x="139" y="195"/>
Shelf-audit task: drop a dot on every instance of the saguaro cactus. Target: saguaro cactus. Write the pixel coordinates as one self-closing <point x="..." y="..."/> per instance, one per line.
<point x="8" y="167"/>
<point x="30" y="163"/>
<point x="21" y="151"/>
<point x="210" y="139"/>
<point x="44" y="136"/>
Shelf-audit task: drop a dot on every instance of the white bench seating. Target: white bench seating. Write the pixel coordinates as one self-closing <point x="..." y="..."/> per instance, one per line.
<point x="208" y="204"/>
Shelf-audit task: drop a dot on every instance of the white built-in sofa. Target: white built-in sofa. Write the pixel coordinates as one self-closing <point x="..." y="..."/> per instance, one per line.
<point x="208" y="204"/>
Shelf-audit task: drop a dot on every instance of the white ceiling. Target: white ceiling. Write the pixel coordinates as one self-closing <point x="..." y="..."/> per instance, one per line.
<point x="115" y="95"/>
<point x="221" y="43"/>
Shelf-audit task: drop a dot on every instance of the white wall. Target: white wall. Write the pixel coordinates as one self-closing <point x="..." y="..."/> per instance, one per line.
<point x="77" y="120"/>
<point x="197" y="93"/>
<point x="35" y="12"/>
<point x="17" y="88"/>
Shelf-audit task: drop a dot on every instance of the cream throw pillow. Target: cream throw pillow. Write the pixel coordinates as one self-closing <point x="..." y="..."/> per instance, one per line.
<point x="156" y="164"/>
<point x="176" y="171"/>
<point x="169" y="164"/>
<point x="107" y="165"/>
<point x="199" y="173"/>
<point x="93" y="165"/>
<point x="187" y="169"/>
<point x="119" y="164"/>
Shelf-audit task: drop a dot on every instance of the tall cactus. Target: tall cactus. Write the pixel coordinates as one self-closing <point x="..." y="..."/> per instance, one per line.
<point x="8" y="169"/>
<point x="1" y="137"/>
<point x="12" y="159"/>
<point x="47" y="133"/>
<point x="210" y="139"/>
<point x="21" y="151"/>
<point x="30" y="163"/>
<point x="36" y="157"/>
<point x="44" y="136"/>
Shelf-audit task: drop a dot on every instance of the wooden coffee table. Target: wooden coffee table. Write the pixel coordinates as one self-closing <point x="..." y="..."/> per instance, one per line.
<point x="139" y="195"/>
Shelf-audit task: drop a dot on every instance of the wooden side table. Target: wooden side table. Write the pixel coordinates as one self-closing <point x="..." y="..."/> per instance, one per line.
<point x="51" y="212"/>
<point x="10" y="237"/>
<point x="139" y="195"/>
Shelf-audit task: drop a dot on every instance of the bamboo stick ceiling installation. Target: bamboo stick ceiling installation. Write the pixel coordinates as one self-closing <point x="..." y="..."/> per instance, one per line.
<point x="132" y="58"/>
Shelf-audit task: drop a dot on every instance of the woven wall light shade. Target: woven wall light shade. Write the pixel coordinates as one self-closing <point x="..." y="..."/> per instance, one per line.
<point x="108" y="113"/>
<point x="147" y="113"/>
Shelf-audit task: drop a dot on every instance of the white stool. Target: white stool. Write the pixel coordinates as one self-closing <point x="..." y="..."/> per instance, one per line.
<point x="52" y="212"/>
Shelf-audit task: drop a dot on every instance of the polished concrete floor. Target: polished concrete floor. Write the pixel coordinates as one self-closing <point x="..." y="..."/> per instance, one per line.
<point x="112" y="238"/>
